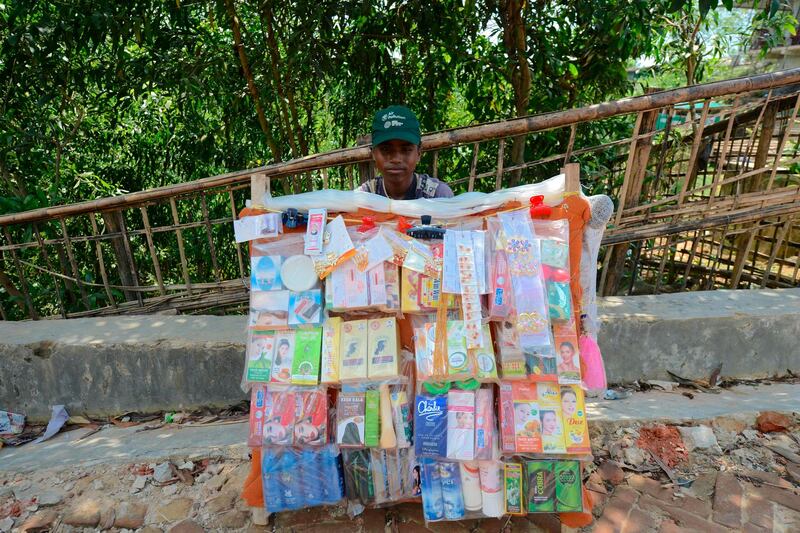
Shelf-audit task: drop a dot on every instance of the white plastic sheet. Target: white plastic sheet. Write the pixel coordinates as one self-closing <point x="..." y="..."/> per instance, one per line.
<point x="441" y="208"/>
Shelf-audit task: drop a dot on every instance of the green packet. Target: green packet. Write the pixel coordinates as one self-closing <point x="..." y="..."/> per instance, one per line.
<point x="569" y="497"/>
<point x="541" y="486"/>
<point x="260" y="351"/>
<point x="307" y="350"/>
<point x="372" y="419"/>
<point x="513" y="488"/>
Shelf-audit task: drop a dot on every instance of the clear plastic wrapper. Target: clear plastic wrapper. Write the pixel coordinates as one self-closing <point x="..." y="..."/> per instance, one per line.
<point x="374" y="416"/>
<point x="378" y="477"/>
<point x="456" y="422"/>
<point x="461" y="363"/>
<point x="288" y="416"/>
<point x="454" y="490"/>
<point x="542" y="419"/>
<point x="554" y="244"/>
<point x="369" y="349"/>
<point x="299" y="478"/>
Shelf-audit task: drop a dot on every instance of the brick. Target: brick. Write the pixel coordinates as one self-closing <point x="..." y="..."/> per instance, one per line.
<point x="129" y="515"/>
<point x="651" y="487"/>
<point x="668" y="526"/>
<point x="616" y="511"/>
<point x="693" y="505"/>
<point x="595" y="483"/>
<point x="313" y="515"/>
<point x="221" y="503"/>
<point x="758" y="511"/>
<point x="41" y="521"/>
<point x="85" y="513"/>
<point x="611" y="472"/>
<point x="683" y="518"/>
<point x="638" y="522"/>
<point x="783" y="497"/>
<point x="187" y="526"/>
<point x="752" y="528"/>
<point x="548" y="522"/>
<point x="175" y="510"/>
<point x="728" y="501"/>
<point x="231" y="520"/>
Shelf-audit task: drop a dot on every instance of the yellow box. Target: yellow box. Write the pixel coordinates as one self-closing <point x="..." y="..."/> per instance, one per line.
<point x="382" y="355"/>
<point x="331" y="339"/>
<point x="409" y="291"/>
<point x="353" y="350"/>
<point x="550" y="416"/>
<point x="573" y="412"/>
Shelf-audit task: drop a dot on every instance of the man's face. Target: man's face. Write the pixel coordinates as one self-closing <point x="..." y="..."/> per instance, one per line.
<point x="396" y="160"/>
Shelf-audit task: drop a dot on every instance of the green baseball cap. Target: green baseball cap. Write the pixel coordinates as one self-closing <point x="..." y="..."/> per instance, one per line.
<point x="395" y="122"/>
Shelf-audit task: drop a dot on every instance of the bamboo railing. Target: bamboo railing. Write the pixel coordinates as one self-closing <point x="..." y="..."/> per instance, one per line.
<point x="707" y="177"/>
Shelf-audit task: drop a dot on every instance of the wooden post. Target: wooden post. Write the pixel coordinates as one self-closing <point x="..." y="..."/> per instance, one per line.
<point x="151" y="247"/>
<point x="473" y="167"/>
<point x="111" y="220"/>
<point x="73" y="263"/>
<point x="366" y="169"/>
<point x="258" y="188"/>
<point x="21" y="275"/>
<point x="498" y="179"/>
<point x="630" y="194"/>
<point x="181" y="250"/>
<point x="101" y="262"/>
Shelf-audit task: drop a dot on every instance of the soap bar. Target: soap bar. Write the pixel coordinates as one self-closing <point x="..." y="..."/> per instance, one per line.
<point x="541" y="486"/>
<point x="382" y="350"/>
<point x="527" y="425"/>
<point x="353" y="350"/>
<point x="260" y="351"/>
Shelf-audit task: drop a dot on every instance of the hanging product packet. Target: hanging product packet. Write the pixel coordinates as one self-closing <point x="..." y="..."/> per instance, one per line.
<point x="567" y="353"/>
<point x="554" y="244"/>
<point x="337" y="248"/>
<point x="522" y="249"/>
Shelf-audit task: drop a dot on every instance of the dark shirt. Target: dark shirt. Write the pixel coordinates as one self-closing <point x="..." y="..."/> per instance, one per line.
<point x="422" y="186"/>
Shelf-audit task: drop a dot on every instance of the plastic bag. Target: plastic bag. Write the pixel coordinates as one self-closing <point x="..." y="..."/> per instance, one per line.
<point x="539" y="419"/>
<point x="298" y="478"/>
<point x="455" y="422"/>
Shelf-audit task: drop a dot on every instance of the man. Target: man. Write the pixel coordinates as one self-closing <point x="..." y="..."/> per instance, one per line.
<point x="396" y="151"/>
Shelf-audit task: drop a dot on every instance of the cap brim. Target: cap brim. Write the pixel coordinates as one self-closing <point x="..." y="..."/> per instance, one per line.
<point x="383" y="136"/>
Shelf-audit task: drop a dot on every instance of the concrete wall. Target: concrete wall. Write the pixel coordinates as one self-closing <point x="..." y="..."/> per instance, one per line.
<point x="101" y="366"/>
<point x="752" y="333"/>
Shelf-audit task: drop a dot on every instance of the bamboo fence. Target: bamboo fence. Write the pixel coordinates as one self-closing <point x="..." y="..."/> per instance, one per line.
<point x="705" y="180"/>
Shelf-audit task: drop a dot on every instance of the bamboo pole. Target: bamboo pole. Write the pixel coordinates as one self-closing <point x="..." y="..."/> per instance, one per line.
<point x="498" y="180"/>
<point x="724" y="156"/>
<point x="786" y="134"/>
<point x="434" y="141"/>
<point x="211" y="248"/>
<point x="46" y="257"/>
<point x="73" y="264"/>
<point x="473" y="167"/>
<point x="238" y="247"/>
<point x="102" y="263"/>
<point x="181" y="251"/>
<point x="21" y="275"/>
<point x="691" y="168"/>
<point x="151" y="247"/>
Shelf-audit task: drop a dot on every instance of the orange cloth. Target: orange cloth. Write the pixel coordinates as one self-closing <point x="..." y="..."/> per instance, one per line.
<point x="252" y="492"/>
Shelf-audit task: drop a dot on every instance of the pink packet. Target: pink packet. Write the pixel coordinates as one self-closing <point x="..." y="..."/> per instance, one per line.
<point x="259" y="405"/>
<point x="484" y="424"/>
<point x="507" y="436"/>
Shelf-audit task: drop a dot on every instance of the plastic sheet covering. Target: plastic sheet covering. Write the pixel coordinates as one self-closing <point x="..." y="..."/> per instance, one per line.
<point x="445" y="208"/>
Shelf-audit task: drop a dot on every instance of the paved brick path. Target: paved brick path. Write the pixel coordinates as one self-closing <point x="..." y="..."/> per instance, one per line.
<point x="641" y="504"/>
